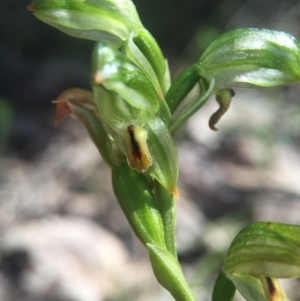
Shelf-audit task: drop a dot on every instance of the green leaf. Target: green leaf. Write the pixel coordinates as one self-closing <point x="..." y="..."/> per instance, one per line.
<point x="224" y="289"/>
<point x="252" y="57"/>
<point x="113" y="20"/>
<point x="169" y="274"/>
<point x="266" y="249"/>
<point x="138" y="204"/>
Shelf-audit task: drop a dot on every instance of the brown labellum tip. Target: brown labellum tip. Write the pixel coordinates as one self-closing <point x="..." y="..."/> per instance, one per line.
<point x="31" y="7"/>
<point x="62" y="109"/>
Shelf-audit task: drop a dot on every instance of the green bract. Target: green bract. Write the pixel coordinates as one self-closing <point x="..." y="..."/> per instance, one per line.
<point x="139" y="205"/>
<point x="245" y="57"/>
<point x="265" y="248"/>
<point x="113" y="20"/>
<point x="259" y="254"/>
<point x="169" y="273"/>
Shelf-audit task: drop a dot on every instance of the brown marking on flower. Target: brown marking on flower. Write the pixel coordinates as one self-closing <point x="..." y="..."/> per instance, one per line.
<point x="137" y="153"/>
<point x="271" y="286"/>
<point x="273" y="289"/>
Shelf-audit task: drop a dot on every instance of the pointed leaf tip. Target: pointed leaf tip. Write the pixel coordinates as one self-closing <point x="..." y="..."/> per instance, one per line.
<point x="62" y="109"/>
<point x="31" y="7"/>
<point x="75" y="96"/>
<point x="175" y="192"/>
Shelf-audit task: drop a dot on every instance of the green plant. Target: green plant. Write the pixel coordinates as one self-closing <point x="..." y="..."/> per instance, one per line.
<point x="129" y="115"/>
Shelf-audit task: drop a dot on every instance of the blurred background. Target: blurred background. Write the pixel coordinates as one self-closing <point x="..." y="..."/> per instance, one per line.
<point x="62" y="235"/>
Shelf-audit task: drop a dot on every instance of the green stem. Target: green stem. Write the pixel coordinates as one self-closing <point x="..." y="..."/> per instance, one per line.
<point x="167" y="208"/>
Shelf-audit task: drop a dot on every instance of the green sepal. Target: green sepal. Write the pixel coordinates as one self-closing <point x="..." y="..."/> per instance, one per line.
<point x="114" y="71"/>
<point x="134" y="53"/>
<point x="252" y="57"/>
<point x="151" y="50"/>
<point x="138" y="204"/>
<point x="113" y="20"/>
<point x="163" y="153"/>
<point x="224" y="289"/>
<point x="99" y="134"/>
<point x="265" y="249"/>
<point x="131" y="51"/>
<point x="169" y="274"/>
<point x="206" y="87"/>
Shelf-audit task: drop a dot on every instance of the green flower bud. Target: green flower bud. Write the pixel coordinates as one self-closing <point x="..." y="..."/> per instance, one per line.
<point x="149" y="147"/>
<point x="252" y="57"/>
<point x="113" y="20"/>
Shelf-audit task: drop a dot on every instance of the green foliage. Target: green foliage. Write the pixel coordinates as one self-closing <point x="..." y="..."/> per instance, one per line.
<point x="132" y="111"/>
<point x="251" y="56"/>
